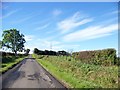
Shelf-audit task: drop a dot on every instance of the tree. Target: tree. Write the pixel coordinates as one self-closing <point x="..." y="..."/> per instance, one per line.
<point x="36" y="51"/>
<point x="27" y="51"/>
<point x="63" y="53"/>
<point x="12" y="39"/>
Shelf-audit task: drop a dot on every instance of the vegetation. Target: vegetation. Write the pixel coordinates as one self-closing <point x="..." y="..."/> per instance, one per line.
<point x="46" y="52"/>
<point x="104" y="57"/>
<point x="77" y="74"/>
<point x="9" y="60"/>
<point x="27" y="51"/>
<point x="12" y="39"/>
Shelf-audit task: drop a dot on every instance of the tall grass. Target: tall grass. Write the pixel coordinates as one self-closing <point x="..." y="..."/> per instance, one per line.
<point x="77" y="74"/>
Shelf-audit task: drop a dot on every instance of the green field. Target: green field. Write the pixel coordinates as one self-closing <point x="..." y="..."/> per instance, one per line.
<point x="74" y="73"/>
<point x="10" y="62"/>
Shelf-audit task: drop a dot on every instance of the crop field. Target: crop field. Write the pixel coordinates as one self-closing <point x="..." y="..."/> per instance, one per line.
<point x="76" y="74"/>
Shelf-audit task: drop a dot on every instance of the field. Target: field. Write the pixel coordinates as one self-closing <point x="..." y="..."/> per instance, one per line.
<point x="8" y="61"/>
<point x="76" y="74"/>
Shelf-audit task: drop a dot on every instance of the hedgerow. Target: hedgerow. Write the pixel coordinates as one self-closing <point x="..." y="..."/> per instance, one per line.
<point x="105" y="57"/>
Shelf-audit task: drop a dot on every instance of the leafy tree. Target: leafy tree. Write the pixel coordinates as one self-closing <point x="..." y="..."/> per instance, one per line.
<point x="27" y="51"/>
<point x="12" y="39"/>
<point x="36" y="51"/>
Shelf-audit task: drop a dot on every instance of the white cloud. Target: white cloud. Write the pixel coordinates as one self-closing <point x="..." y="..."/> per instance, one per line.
<point x="24" y="18"/>
<point x="115" y="12"/>
<point x="42" y="44"/>
<point x="91" y="33"/>
<point x="45" y="44"/>
<point x="3" y="7"/>
<point x="29" y="37"/>
<point x="48" y="43"/>
<point x="56" y="12"/>
<point x="42" y="27"/>
<point x="21" y="20"/>
<point x="72" y="22"/>
<point x="9" y="14"/>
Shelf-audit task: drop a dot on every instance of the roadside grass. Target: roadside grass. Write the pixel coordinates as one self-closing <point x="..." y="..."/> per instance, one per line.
<point x="10" y="62"/>
<point x="76" y="74"/>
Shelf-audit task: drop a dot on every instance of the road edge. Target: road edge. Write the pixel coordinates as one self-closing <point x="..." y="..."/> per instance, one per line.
<point x="12" y="69"/>
<point x="62" y="83"/>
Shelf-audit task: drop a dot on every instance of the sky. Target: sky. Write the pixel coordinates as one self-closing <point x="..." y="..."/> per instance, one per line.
<point x="75" y="26"/>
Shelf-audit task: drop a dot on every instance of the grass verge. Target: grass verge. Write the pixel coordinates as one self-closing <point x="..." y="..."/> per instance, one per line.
<point x="6" y="66"/>
<point x="76" y="74"/>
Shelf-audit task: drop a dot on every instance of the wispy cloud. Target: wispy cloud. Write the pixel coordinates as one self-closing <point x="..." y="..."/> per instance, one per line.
<point x="91" y="33"/>
<point x="55" y="45"/>
<point x="46" y="42"/>
<point x="24" y="18"/>
<point x="42" y="27"/>
<point x="72" y="22"/>
<point x="67" y="47"/>
<point x="56" y="12"/>
<point x="42" y="44"/>
<point x="9" y="13"/>
<point x="21" y="20"/>
<point x="114" y="12"/>
<point x="111" y="13"/>
<point x="4" y="7"/>
<point x="29" y="37"/>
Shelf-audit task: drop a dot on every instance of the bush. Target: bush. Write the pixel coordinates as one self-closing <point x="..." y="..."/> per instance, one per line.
<point x="105" y="57"/>
<point x="7" y="57"/>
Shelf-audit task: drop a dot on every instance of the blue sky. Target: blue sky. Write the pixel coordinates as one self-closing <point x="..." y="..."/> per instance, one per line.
<point x="64" y="26"/>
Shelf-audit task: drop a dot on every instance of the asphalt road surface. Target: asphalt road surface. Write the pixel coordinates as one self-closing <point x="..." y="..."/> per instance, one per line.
<point x="30" y="75"/>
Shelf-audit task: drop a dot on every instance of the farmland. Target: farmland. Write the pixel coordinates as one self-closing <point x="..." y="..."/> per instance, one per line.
<point x="77" y="74"/>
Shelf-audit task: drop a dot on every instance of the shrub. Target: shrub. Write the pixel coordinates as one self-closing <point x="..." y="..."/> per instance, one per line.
<point x="105" y="57"/>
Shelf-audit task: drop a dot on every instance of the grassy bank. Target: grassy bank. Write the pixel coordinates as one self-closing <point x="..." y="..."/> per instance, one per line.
<point x="9" y="62"/>
<point x="80" y="75"/>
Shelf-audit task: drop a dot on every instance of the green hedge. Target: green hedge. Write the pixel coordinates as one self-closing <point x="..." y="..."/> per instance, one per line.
<point x="7" y="57"/>
<point x="105" y="57"/>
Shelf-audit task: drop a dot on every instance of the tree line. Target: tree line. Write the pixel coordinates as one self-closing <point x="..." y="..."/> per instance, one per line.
<point x="47" y="52"/>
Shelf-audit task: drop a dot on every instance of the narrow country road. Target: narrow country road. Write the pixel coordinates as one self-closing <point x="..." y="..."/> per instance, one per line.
<point x="30" y="75"/>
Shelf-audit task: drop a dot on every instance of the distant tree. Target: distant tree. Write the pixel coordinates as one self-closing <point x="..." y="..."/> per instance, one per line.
<point x="27" y="51"/>
<point x="12" y="39"/>
<point x="46" y="52"/>
<point x="41" y="52"/>
<point x="36" y="51"/>
<point x="62" y="53"/>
